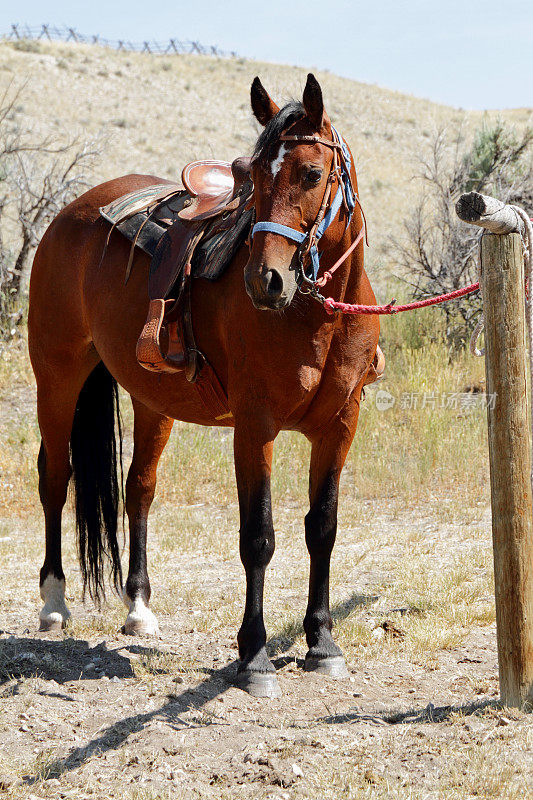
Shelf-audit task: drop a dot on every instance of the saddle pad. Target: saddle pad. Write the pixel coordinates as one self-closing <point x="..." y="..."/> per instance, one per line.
<point x="143" y="231"/>
<point x="212" y="255"/>
<point x="129" y="204"/>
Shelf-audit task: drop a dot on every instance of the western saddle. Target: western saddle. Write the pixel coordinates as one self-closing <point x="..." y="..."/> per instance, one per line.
<point x="215" y="187"/>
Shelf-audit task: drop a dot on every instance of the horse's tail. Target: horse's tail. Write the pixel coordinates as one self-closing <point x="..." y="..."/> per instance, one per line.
<point x="95" y="460"/>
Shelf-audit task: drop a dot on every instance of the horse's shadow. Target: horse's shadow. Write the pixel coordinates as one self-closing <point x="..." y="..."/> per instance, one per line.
<point x="62" y="661"/>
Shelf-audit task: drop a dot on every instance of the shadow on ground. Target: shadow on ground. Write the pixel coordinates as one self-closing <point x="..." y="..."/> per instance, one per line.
<point x="217" y="682"/>
<point x="61" y="660"/>
<point x="430" y="713"/>
<point x="113" y="737"/>
<point x="293" y="629"/>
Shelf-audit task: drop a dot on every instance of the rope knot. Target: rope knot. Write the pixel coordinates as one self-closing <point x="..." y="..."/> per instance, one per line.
<point x="327" y="276"/>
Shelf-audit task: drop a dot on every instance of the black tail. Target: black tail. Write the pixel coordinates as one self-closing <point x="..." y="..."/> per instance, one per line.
<point x="95" y="462"/>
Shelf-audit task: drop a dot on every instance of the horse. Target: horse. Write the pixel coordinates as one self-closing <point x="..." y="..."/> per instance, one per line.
<point x="284" y="365"/>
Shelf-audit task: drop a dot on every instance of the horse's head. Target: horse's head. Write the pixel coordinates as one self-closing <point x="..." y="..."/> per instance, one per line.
<point x="291" y="175"/>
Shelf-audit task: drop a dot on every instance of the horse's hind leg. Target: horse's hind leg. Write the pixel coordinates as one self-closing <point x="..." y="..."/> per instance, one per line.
<point x="57" y="393"/>
<point x="328" y="454"/>
<point x="151" y="432"/>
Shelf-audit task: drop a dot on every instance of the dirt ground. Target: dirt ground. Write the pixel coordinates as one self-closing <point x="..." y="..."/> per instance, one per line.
<point x="102" y="714"/>
<point x="74" y="710"/>
<point x="91" y="713"/>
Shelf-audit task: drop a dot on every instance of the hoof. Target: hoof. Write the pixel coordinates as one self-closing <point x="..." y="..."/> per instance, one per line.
<point x="258" y="684"/>
<point x="140" y="627"/>
<point x="52" y="623"/>
<point x="54" y="615"/>
<point x="333" y="666"/>
<point x="141" y="621"/>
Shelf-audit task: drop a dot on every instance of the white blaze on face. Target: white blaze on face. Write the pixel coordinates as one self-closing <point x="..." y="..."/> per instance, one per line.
<point x="276" y="164"/>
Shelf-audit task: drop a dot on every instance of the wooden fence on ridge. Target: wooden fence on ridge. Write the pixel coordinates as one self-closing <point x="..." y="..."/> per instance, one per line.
<point x="171" y="47"/>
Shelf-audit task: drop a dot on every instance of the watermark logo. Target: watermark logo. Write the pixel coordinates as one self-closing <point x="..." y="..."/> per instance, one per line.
<point x="453" y="401"/>
<point x="384" y="400"/>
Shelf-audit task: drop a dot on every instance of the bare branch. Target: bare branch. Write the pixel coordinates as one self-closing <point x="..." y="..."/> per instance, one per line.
<point x="38" y="176"/>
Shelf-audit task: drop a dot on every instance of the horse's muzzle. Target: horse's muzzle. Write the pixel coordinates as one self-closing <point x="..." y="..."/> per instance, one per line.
<point x="267" y="288"/>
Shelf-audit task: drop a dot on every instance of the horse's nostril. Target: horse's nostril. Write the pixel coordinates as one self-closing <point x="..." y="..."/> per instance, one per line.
<point x="273" y="283"/>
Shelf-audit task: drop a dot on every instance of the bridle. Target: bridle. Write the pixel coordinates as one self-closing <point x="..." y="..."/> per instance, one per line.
<point x="309" y="283"/>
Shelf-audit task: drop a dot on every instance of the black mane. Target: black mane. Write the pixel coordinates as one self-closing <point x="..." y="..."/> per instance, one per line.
<point x="263" y="150"/>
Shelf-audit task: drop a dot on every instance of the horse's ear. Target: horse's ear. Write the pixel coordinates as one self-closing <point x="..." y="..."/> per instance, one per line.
<point x="313" y="103"/>
<point x="263" y="106"/>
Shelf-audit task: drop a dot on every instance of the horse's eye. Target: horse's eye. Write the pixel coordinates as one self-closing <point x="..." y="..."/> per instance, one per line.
<point x="313" y="176"/>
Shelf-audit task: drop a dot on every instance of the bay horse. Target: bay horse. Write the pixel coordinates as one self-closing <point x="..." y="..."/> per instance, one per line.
<point x="283" y="366"/>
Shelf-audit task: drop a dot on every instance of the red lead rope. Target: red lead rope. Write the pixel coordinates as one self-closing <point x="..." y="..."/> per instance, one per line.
<point x="349" y="308"/>
<point x="332" y="305"/>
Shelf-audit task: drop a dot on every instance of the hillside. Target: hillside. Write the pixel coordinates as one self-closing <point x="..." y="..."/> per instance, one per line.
<point x="158" y="112"/>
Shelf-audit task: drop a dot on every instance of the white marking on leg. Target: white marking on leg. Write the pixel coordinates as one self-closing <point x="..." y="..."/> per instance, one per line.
<point x="276" y="164"/>
<point x="141" y="621"/>
<point x="54" y="613"/>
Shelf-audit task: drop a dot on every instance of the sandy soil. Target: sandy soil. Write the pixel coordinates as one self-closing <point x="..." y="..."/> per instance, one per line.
<point x="99" y="715"/>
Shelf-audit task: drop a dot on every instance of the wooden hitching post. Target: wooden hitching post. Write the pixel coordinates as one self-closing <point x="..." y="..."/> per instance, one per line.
<point x="502" y="282"/>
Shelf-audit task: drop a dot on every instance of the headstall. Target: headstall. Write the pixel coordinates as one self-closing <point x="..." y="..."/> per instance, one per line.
<point x="308" y="242"/>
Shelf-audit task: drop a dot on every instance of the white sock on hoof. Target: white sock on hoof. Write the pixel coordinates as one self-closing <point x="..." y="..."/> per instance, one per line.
<point x="140" y="620"/>
<point x="54" y="613"/>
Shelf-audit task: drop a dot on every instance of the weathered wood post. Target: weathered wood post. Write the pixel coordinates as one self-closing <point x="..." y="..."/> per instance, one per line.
<point x="502" y="283"/>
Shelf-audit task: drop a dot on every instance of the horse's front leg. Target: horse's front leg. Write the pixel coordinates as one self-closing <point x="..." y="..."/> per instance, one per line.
<point x="328" y="453"/>
<point x="253" y="445"/>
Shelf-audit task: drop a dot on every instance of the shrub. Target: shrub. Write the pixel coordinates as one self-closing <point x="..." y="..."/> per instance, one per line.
<point x="438" y="251"/>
